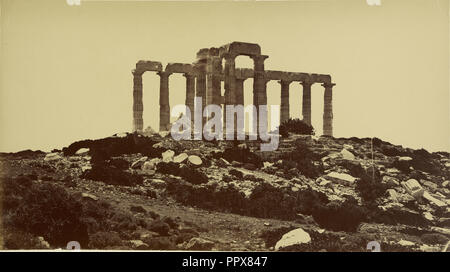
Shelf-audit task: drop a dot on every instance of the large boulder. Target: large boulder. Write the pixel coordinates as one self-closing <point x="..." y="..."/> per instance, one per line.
<point x="342" y="178"/>
<point x="294" y="237"/>
<point x="413" y="188"/>
<point x="347" y="155"/>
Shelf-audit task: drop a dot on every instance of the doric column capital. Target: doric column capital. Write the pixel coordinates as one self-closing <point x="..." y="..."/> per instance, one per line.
<point x="328" y="85"/>
<point x="164" y="74"/>
<point x="306" y="83"/>
<point x="189" y="75"/>
<point x="285" y="82"/>
<point x="229" y="57"/>
<point x="259" y="58"/>
<point x="136" y="73"/>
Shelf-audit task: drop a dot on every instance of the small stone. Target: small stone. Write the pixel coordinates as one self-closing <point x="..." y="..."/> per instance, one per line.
<point x="433" y="200"/>
<point x="195" y="160"/>
<point x="82" y="151"/>
<point x="180" y="158"/>
<point x="393" y="195"/>
<point x="138" y="164"/>
<point x="89" y="196"/>
<point x="138" y="244"/>
<point x="225" y="162"/>
<point x="406" y="243"/>
<point x="340" y="177"/>
<point x="198" y="243"/>
<point x="428" y="216"/>
<point x="52" y="157"/>
<point x="266" y="224"/>
<point x="445" y="183"/>
<point x="404" y="158"/>
<point x="167" y="156"/>
<point x="294" y="237"/>
<point x="43" y="244"/>
<point x="150" y="165"/>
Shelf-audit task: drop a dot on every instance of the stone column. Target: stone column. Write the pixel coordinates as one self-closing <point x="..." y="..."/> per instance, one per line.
<point x="190" y="93"/>
<point x="164" y="107"/>
<point x="200" y="91"/>
<point x="259" y="87"/>
<point x="328" y="109"/>
<point x="240" y="91"/>
<point x="138" y="106"/>
<point x="284" y="106"/>
<point x="306" y="107"/>
<point x="230" y="86"/>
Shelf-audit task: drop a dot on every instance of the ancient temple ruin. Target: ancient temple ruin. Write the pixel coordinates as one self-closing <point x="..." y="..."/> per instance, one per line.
<point x="204" y="77"/>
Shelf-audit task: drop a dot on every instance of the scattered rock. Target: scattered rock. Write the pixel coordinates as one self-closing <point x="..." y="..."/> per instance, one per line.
<point x="445" y="183"/>
<point x="138" y="244"/>
<point x="406" y="243"/>
<point x="138" y="164"/>
<point x="198" y="243"/>
<point x="82" y="151"/>
<point x="347" y="155"/>
<point x="433" y="200"/>
<point x="52" y="157"/>
<point x="167" y="156"/>
<point x="42" y="243"/>
<point x="180" y="158"/>
<point x="413" y="188"/>
<point x="393" y="194"/>
<point x="89" y="196"/>
<point x="195" y="160"/>
<point x="405" y="158"/>
<point x="294" y="237"/>
<point x="150" y="166"/>
<point x="428" y="216"/>
<point x="346" y="179"/>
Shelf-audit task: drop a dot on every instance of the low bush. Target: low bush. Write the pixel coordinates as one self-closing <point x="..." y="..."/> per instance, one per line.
<point x="295" y="126"/>
<point x="45" y="210"/>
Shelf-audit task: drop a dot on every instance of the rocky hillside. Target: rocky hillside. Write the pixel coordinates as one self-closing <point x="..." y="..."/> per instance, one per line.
<point x="151" y="192"/>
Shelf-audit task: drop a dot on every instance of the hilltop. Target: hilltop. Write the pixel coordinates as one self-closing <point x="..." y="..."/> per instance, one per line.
<point x="133" y="191"/>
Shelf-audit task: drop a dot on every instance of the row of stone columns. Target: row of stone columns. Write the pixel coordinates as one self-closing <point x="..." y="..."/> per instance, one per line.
<point x="208" y="86"/>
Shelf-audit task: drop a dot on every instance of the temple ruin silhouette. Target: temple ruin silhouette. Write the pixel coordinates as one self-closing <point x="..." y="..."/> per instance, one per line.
<point x="204" y="79"/>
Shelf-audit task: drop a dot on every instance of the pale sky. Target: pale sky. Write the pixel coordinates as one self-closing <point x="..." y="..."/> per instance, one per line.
<point x="66" y="70"/>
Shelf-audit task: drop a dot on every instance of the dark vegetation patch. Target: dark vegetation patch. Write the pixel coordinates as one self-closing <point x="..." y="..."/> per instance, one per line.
<point x="334" y="216"/>
<point x="303" y="159"/>
<point x="115" y="146"/>
<point x="295" y="126"/>
<point x="190" y="174"/>
<point x="32" y="209"/>
<point x="243" y="155"/>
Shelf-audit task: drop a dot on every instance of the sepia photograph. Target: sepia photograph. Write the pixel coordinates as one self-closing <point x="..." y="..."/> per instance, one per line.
<point x="224" y="126"/>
